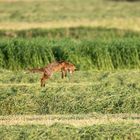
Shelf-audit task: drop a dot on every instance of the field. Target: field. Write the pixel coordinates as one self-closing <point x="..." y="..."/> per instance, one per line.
<point x="69" y="13"/>
<point x="101" y="100"/>
<point x="99" y="104"/>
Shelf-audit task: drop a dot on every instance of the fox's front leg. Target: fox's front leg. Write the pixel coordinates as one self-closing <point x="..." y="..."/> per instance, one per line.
<point x="62" y="74"/>
<point x="65" y="73"/>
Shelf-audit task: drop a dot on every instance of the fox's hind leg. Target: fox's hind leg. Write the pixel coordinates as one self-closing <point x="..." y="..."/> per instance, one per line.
<point x="43" y="79"/>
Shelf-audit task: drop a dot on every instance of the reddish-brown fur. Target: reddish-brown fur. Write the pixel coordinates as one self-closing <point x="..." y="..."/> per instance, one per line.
<point x="48" y="71"/>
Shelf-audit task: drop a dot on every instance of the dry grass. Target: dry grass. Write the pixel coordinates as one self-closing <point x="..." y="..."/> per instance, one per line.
<point x="120" y="23"/>
<point x="52" y="84"/>
<point x="75" y="120"/>
<point x="16" y="0"/>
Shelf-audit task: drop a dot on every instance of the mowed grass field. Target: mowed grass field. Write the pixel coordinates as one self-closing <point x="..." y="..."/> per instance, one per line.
<point x="101" y="100"/>
<point x="85" y="92"/>
<point x="91" y="104"/>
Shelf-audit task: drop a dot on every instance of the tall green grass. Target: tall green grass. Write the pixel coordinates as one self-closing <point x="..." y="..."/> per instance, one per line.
<point x="94" y="54"/>
<point x="18" y="53"/>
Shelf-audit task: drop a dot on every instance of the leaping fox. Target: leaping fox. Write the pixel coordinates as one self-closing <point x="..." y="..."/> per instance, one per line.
<point x="48" y="71"/>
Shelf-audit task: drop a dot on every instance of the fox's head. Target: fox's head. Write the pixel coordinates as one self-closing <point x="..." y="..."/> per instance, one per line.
<point x="71" y="68"/>
<point x="68" y="66"/>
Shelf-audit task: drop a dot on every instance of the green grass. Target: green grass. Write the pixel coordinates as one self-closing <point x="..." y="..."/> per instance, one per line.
<point x="88" y="48"/>
<point x="61" y="131"/>
<point x="85" y="92"/>
<point x="106" y="54"/>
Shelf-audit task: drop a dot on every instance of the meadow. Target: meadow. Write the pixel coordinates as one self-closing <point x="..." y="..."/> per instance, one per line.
<point x="61" y="10"/>
<point x="101" y="100"/>
<point x="69" y="13"/>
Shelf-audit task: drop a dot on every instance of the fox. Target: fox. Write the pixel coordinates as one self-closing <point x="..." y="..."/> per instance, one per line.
<point x="63" y="66"/>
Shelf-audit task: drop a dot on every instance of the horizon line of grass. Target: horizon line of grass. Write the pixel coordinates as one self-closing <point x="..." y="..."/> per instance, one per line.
<point x="80" y="32"/>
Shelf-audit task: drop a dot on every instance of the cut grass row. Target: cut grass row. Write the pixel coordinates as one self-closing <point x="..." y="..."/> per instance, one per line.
<point x="72" y="119"/>
<point x="62" y="131"/>
<point x="103" y="92"/>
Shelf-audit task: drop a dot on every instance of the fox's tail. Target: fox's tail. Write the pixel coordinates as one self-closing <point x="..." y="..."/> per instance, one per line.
<point x="36" y="70"/>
